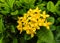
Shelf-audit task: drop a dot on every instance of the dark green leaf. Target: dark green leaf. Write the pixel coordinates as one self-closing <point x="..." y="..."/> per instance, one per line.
<point x="58" y="29"/>
<point x="12" y="28"/>
<point x="22" y="40"/>
<point x="57" y="38"/>
<point x="51" y="19"/>
<point x="52" y="27"/>
<point x="27" y="37"/>
<point x="15" y="40"/>
<point x="58" y="19"/>
<point x="22" y="11"/>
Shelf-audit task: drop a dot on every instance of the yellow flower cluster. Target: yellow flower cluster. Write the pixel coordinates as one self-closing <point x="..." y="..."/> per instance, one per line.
<point x="32" y="20"/>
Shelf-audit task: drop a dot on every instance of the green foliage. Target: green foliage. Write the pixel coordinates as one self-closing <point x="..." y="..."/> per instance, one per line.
<point x="58" y="20"/>
<point x="14" y="13"/>
<point x="57" y="37"/>
<point x="15" y="40"/>
<point x="4" y="8"/>
<point x="58" y="8"/>
<point x="1" y="37"/>
<point x="45" y="36"/>
<point x="1" y="40"/>
<point x="28" y="1"/>
<point x="51" y="19"/>
<point x="53" y="27"/>
<point x="12" y="28"/>
<point x="18" y="3"/>
<point x="22" y="11"/>
<point x="2" y="0"/>
<point x="10" y="3"/>
<point x="10" y="10"/>
<point x="1" y="24"/>
<point x="27" y="37"/>
<point x="50" y="6"/>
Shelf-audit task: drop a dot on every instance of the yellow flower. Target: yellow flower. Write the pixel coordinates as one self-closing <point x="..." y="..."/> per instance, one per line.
<point x="44" y="15"/>
<point x="41" y="22"/>
<point x="36" y="11"/>
<point x="32" y="20"/>
<point x="30" y="11"/>
<point x="46" y="24"/>
<point x="31" y="31"/>
<point x="20" y="28"/>
<point x="36" y="16"/>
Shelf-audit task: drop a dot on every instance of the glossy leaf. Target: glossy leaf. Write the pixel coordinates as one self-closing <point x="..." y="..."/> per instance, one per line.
<point x="50" y="6"/>
<point x="45" y="36"/>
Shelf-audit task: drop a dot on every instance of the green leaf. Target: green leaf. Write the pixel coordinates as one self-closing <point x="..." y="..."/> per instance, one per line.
<point x="1" y="24"/>
<point x="51" y="19"/>
<point x="50" y="6"/>
<point x="4" y="8"/>
<point x="22" y="11"/>
<point x="58" y="8"/>
<point x="1" y="40"/>
<point x="58" y="19"/>
<point x="4" y="12"/>
<point x="45" y="36"/>
<point x="57" y="38"/>
<point x="12" y="28"/>
<point x="41" y="6"/>
<point x="22" y="40"/>
<point x="39" y="1"/>
<point x="10" y="3"/>
<point x="1" y="35"/>
<point x="4" y="4"/>
<point x="2" y="0"/>
<point x="58" y="29"/>
<point x="27" y="37"/>
<point x="14" y="13"/>
<point x="15" y="40"/>
<point x="53" y="27"/>
<point x="18" y="3"/>
<point x="28" y="1"/>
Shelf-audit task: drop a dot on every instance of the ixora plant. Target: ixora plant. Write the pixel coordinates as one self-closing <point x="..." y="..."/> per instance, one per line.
<point x="29" y="21"/>
<point x="32" y="21"/>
